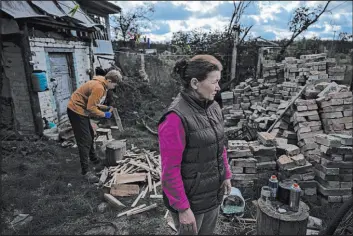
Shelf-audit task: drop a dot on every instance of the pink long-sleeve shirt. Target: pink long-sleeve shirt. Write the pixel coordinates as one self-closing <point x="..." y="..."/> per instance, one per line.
<point x="172" y="143"/>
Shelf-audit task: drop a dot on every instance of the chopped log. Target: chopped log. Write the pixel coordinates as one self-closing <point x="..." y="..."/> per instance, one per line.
<point x="154" y="188"/>
<point x="104" y="176"/>
<point x="271" y="222"/>
<point x="114" y="152"/>
<point x="124" y="190"/>
<point x="172" y="225"/>
<point x="149" y="178"/>
<point x="117" y="119"/>
<point x="166" y="214"/>
<point x="115" y="132"/>
<point x="138" y="198"/>
<point x="133" y="209"/>
<point x="145" y="192"/>
<point x="130" y="178"/>
<point x="143" y="209"/>
<point x="113" y="201"/>
<point x="156" y="196"/>
<point x="143" y="166"/>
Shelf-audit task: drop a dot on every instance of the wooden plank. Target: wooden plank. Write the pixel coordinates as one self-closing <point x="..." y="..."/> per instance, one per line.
<point x="113" y="201"/>
<point x="166" y="214"/>
<point x="154" y="188"/>
<point x="145" y="192"/>
<point x="124" y="190"/>
<point x="131" y="210"/>
<point x="171" y="224"/>
<point x="117" y="119"/>
<point x="142" y="209"/>
<point x="149" y="178"/>
<point x="130" y="178"/>
<point x="143" y="166"/>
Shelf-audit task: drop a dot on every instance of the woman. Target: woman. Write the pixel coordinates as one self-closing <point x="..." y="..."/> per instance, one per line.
<point x="195" y="170"/>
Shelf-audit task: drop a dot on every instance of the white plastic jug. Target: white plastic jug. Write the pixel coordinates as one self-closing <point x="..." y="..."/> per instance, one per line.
<point x="233" y="203"/>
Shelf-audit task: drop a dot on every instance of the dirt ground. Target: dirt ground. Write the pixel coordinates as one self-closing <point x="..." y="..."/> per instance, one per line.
<point x="43" y="179"/>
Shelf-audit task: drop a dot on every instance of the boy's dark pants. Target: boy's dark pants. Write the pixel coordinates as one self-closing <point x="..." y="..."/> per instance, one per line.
<point x="84" y="136"/>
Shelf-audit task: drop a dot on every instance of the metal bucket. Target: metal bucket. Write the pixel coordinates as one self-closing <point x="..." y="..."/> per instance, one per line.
<point x="234" y="203"/>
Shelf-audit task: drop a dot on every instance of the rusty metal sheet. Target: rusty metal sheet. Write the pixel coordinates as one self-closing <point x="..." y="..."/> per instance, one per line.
<point x="19" y="9"/>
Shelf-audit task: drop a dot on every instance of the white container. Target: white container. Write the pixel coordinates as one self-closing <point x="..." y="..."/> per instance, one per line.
<point x="233" y="203"/>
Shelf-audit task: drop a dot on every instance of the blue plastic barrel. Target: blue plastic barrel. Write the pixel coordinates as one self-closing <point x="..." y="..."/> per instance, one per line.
<point x="39" y="81"/>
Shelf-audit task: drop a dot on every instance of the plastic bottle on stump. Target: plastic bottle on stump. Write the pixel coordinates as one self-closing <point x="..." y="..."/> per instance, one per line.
<point x="273" y="185"/>
<point x="294" y="197"/>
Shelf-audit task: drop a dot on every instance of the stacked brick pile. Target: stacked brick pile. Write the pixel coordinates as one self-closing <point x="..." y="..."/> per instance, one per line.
<point x="336" y="73"/>
<point x="242" y="163"/>
<point x="307" y="124"/>
<point x="293" y="165"/>
<point x="264" y="151"/>
<point x="284" y="127"/>
<point x="233" y="115"/>
<point x="336" y="111"/>
<point x="273" y="72"/>
<point x="333" y="167"/>
<point x="307" y="67"/>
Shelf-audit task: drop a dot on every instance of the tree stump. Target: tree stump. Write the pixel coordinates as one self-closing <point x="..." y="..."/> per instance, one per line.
<point x="271" y="222"/>
<point x="115" y="150"/>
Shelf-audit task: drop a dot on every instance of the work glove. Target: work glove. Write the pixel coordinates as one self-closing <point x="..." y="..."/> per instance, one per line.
<point x="107" y="114"/>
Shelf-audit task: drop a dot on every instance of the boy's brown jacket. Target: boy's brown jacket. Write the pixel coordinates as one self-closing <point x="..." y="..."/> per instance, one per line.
<point x="87" y="98"/>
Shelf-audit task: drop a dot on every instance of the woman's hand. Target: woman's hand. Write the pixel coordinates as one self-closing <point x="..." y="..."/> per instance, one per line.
<point x="227" y="186"/>
<point x="187" y="222"/>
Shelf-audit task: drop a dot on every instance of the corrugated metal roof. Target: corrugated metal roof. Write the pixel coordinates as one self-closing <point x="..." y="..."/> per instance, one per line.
<point x="19" y="9"/>
<point x="85" y="20"/>
<point x="49" y="7"/>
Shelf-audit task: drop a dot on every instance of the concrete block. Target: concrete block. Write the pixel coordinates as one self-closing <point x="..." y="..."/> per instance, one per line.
<point x="266" y="139"/>
<point x="299" y="159"/>
<point x="345" y="139"/>
<point x="328" y="140"/>
<point x="284" y="162"/>
<point x="243" y="162"/>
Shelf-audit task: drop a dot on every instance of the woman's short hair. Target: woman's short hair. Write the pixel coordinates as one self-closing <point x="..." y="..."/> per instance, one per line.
<point x="197" y="67"/>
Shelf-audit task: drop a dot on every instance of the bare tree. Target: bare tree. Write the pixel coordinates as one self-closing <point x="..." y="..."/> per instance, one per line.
<point x="236" y="29"/>
<point x="303" y="18"/>
<point x="132" y="21"/>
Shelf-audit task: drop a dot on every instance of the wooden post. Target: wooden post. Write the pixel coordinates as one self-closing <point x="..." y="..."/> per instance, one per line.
<point x="271" y="222"/>
<point x="234" y="53"/>
<point x="117" y="119"/>
<point x="259" y="62"/>
<point x="33" y="96"/>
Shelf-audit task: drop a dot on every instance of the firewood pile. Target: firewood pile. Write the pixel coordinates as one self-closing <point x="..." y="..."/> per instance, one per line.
<point x="136" y="174"/>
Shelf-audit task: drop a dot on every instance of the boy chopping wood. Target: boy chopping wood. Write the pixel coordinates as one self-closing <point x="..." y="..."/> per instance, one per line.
<point x="87" y="102"/>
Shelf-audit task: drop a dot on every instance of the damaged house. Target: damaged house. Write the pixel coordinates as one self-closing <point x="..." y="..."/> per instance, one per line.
<point x="48" y="49"/>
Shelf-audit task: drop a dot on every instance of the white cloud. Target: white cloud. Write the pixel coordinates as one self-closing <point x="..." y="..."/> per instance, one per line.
<point x="198" y="6"/>
<point x="129" y="5"/>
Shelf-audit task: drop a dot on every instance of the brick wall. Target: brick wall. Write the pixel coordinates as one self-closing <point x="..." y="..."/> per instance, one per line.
<point x="40" y="61"/>
<point x="16" y="78"/>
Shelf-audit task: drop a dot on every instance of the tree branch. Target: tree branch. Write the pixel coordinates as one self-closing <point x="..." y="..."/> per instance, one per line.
<point x="247" y="29"/>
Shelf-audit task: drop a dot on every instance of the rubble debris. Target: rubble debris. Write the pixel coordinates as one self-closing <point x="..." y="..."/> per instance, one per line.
<point x="102" y="207"/>
<point x="21" y="221"/>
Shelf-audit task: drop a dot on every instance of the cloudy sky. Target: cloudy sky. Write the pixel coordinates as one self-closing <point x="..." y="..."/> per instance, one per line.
<point x="269" y="18"/>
